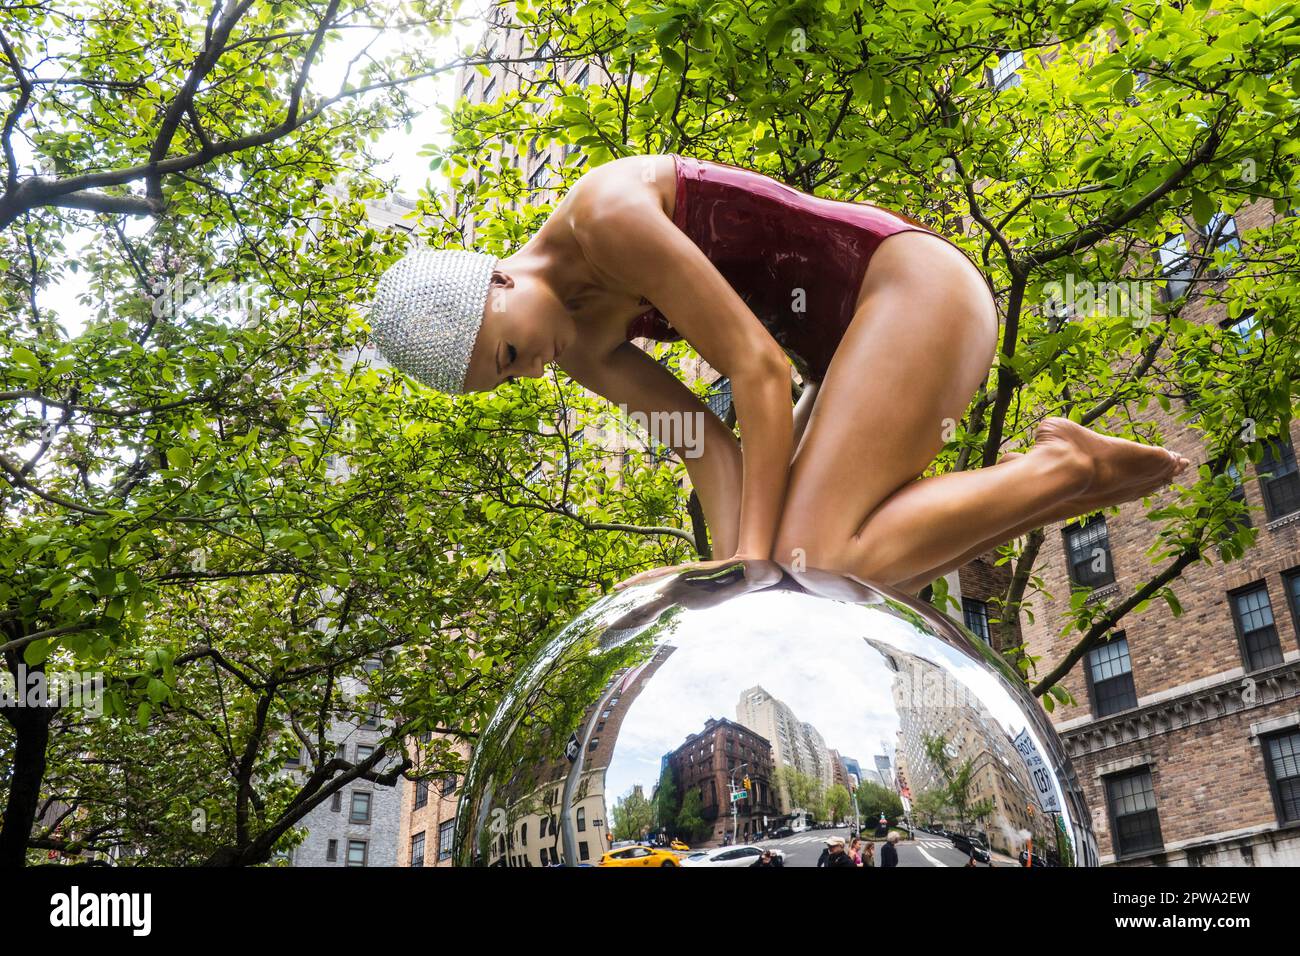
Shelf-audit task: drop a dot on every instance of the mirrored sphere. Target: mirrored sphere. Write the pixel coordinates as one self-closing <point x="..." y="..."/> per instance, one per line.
<point x="702" y="718"/>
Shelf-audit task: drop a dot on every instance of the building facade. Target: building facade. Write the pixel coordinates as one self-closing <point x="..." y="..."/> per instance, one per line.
<point x="1186" y="730"/>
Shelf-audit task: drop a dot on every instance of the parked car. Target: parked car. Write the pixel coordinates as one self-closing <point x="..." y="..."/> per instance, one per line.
<point x="781" y="833"/>
<point x="640" y="855"/>
<point x="742" y="855"/>
<point x="1039" y="859"/>
<point x="971" y="846"/>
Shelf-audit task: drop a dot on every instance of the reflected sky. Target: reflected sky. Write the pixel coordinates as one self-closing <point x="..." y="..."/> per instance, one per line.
<point x="815" y="659"/>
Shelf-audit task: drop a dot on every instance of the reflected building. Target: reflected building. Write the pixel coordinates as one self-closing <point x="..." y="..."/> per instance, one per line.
<point x="722" y="753"/>
<point x="533" y="836"/>
<point x="795" y="743"/>
<point x="931" y="706"/>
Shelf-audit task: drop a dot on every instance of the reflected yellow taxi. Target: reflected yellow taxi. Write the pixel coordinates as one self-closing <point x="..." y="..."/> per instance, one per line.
<point x="639" y="856"/>
<point x="679" y="846"/>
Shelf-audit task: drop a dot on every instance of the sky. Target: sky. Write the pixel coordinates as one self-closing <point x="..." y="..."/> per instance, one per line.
<point x="399" y="149"/>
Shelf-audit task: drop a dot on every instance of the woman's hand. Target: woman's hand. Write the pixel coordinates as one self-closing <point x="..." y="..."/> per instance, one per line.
<point x="653" y="573"/>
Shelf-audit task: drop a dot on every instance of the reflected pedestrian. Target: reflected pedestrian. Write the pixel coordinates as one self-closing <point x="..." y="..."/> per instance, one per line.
<point x="889" y="855"/>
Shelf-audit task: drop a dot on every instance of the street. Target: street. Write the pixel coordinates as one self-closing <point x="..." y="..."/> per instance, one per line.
<point x="803" y="849"/>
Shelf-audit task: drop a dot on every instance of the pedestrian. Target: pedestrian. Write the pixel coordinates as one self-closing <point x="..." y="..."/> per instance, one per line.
<point x="889" y="855"/>
<point x="768" y="859"/>
<point x="869" y="853"/>
<point x="836" y="856"/>
<point x="855" y="851"/>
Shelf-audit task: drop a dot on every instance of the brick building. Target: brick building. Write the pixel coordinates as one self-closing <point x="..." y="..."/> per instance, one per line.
<point x="713" y="760"/>
<point x="1186" y="732"/>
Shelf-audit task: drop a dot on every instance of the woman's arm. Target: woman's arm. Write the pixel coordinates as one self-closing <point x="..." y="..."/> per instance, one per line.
<point x="803" y="411"/>
<point x="635" y="382"/>
<point x="627" y="237"/>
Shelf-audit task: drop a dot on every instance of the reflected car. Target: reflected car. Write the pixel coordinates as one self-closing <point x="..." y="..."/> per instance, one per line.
<point x="971" y="846"/>
<point x="679" y="846"/>
<point x="639" y="855"/>
<point x="781" y="833"/>
<point x="1039" y="859"/>
<point x="744" y="855"/>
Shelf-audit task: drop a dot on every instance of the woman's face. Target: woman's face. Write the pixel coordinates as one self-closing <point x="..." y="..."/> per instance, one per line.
<point x="525" y="327"/>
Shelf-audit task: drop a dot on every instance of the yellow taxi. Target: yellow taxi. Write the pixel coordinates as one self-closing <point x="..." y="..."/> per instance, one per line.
<point x="679" y="846"/>
<point x="639" y="855"/>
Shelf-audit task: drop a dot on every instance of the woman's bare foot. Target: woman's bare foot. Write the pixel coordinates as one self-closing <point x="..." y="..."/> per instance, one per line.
<point x="1123" y="470"/>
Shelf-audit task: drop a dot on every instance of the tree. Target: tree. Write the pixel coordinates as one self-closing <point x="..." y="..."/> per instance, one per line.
<point x="837" y="802"/>
<point x="873" y="800"/>
<point x="170" y="525"/>
<point x="690" y="819"/>
<point x="666" y="802"/>
<point x="212" y="507"/>
<point x="931" y="805"/>
<point x="633" y="815"/>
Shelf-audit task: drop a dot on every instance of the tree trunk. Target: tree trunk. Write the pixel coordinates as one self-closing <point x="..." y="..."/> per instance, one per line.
<point x="31" y="738"/>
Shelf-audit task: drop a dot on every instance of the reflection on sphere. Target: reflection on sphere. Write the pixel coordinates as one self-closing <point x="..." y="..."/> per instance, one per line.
<point x="702" y="718"/>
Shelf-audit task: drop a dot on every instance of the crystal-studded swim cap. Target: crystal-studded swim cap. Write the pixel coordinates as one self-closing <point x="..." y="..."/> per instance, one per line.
<point x="427" y="313"/>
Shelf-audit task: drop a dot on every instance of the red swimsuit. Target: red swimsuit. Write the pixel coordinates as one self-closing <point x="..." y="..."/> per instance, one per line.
<point x="777" y="246"/>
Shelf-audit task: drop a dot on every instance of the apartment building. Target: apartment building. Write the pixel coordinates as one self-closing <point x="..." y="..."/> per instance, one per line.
<point x="1186" y="730"/>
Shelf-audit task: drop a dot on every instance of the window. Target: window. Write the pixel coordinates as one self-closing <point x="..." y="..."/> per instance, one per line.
<point x="538" y="179"/>
<point x="357" y="852"/>
<point x="1292" y="579"/>
<point x="342" y="751"/>
<point x="332" y="851"/>
<point x="444" y="839"/>
<point x="491" y="88"/>
<point x="583" y="78"/>
<point x="336" y="802"/>
<point x="1282" y="759"/>
<point x="582" y="819"/>
<point x="976" y="614"/>
<point x="523" y="834"/>
<point x="1006" y="73"/>
<point x="583" y="852"/>
<point x="1238" y="494"/>
<point x="1256" y="630"/>
<point x="468" y="88"/>
<point x="1135" y="824"/>
<point x="372" y="721"/>
<point x="421" y="793"/>
<point x="1226" y="226"/>
<point x="417" y="849"/>
<point x="1175" y="266"/>
<point x="364" y="752"/>
<point x="1110" y="677"/>
<point x="448" y="784"/>
<point x="1246" y="327"/>
<point x="718" y="397"/>
<point x="1088" y="548"/>
<point x="295" y="759"/>
<point x="1279" y="479"/>
<point x="360" y="807"/>
<point x="595" y="742"/>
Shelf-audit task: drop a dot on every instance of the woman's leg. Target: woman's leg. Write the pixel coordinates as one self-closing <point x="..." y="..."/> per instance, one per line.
<point x="905" y="371"/>
<point x="1064" y="510"/>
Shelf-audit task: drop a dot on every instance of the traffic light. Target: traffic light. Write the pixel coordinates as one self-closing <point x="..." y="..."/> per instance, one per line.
<point x="746" y="782"/>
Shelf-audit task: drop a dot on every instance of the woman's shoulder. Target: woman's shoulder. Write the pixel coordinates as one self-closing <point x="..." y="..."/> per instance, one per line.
<point x="614" y="194"/>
